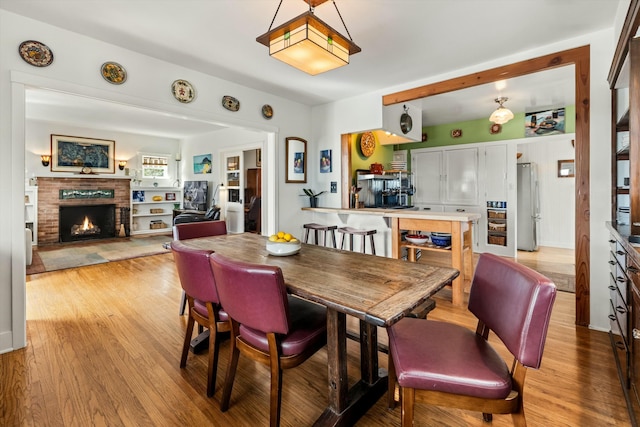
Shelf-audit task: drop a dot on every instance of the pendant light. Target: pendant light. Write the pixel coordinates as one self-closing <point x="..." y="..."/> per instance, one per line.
<point x="502" y="114"/>
<point x="308" y="43"/>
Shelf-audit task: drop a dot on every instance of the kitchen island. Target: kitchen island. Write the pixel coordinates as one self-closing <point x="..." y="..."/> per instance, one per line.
<point x="393" y="221"/>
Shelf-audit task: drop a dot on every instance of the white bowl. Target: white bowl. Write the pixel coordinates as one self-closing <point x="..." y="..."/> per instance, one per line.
<point x="417" y="239"/>
<point x="283" y="248"/>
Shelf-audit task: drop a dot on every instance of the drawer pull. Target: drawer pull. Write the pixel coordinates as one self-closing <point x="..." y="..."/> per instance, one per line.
<point x="612" y="317"/>
<point x="612" y="288"/>
<point x="621" y="279"/>
<point x="621" y="309"/>
<point x="612" y="262"/>
<point x="620" y="252"/>
<point x="620" y="345"/>
<point x="461" y="210"/>
<point x="633" y="269"/>
<point x="612" y="241"/>
<point x="635" y="334"/>
<point x="426" y="209"/>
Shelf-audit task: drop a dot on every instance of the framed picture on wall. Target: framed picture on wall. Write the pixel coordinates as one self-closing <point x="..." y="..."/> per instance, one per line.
<point x="78" y="154"/>
<point x="202" y="163"/>
<point x="325" y="161"/>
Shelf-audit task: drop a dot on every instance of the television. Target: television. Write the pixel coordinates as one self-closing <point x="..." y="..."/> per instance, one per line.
<point x="195" y="195"/>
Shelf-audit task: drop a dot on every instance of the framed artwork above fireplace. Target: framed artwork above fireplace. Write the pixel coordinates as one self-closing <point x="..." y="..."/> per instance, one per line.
<point x="82" y="155"/>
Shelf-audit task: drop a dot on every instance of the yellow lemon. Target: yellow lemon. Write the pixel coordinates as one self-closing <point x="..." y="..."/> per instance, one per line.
<point x="273" y="238"/>
<point x="287" y="237"/>
<point x="281" y="241"/>
<point x="280" y="234"/>
<point x="293" y="240"/>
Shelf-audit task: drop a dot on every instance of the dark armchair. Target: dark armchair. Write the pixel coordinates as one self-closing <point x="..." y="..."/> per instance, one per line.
<point x="253" y="216"/>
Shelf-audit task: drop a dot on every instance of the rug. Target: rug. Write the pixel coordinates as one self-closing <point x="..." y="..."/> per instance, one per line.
<point x="78" y="254"/>
<point x="564" y="282"/>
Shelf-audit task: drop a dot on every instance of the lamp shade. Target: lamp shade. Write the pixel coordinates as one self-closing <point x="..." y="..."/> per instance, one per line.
<point x="502" y="114"/>
<point x="309" y="44"/>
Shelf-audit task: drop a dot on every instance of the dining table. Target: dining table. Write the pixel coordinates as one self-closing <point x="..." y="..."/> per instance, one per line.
<point x="378" y="291"/>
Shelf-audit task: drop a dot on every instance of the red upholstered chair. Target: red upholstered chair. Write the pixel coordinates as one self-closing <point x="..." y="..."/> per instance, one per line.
<point x="267" y="325"/>
<point x="194" y="230"/>
<point x="443" y="364"/>
<point x="197" y="282"/>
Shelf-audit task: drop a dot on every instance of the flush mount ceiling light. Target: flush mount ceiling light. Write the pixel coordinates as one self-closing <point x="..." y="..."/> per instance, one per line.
<point x="309" y="44"/>
<point x="502" y="115"/>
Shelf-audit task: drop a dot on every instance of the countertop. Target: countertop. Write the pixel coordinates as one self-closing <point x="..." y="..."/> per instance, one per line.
<point x="402" y="213"/>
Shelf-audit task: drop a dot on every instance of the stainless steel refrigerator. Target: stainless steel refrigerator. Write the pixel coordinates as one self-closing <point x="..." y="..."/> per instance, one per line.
<point x="528" y="214"/>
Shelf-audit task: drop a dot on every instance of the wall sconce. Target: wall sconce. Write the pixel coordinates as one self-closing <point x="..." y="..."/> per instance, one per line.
<point x="45" y="159"/>
<point x="122" y="164"/>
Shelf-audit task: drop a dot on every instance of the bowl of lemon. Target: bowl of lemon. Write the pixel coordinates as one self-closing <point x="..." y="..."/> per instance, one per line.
<point x="283" y="244"/>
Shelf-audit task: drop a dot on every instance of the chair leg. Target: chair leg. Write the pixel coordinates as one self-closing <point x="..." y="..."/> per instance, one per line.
<point x="373" y="245"/>
<point x="391" y="377"/>
<point x="407" y="397"/>
<point x="231" y="373"/>
<point x="364" y="246"/>
<point x="214" y="347"/>
<point x="487" y="418"/>
<point x="276" y="395"/>
<point x="183" y="302"/>
<point x="518" y="418"/>
<point x="333" y="238"/>
<point x="306" y="235"/>
<point x="187" y="341"/>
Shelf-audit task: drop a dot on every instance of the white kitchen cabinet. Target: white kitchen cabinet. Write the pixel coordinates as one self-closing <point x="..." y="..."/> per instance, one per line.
<point x="495" y="172"/>
<point x="447" y="176"/>
<point x="427" y="175"/>
<point x="152" y="209"/>
<point x="461" y="176"/>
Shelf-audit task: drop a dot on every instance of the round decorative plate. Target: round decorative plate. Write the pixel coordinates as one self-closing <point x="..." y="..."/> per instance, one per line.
<point x="456" y="133"/>
<point x="367" y="144"/>
<point x="35" y="53"/>
<point x="495" y="128"/>
<point x="230" y="103"/>
<point x="113" y="73"/>
<point x="183" y="91"/>
<point x="86" y="170"/>
<point x="267" y="111"/>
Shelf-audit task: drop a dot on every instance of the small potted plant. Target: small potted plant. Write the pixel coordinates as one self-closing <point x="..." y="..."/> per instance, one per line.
<point x="313" y="197"/>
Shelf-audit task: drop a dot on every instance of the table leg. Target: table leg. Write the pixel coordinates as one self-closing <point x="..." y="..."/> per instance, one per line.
<point x="337" y="360"/>
<point x="457" y="294"/>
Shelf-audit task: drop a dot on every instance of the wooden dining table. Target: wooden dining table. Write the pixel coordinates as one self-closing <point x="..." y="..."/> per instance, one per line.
<point x="378" y="291"/>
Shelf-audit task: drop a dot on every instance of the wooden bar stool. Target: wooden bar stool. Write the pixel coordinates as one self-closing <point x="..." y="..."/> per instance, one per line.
<point x="316" y="229"/>
<point x="356" y="231"/>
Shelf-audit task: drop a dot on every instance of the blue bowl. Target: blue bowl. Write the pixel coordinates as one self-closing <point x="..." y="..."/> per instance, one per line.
<point x="441" y="240"/>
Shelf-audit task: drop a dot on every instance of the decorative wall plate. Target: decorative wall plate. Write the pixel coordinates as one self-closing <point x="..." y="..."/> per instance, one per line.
<point x="183" y="91"/>
<point x="367" y="144"/>
<point x="424" y="137"/>
<point x="230" y="103"/>
<point x="113" y="73"/>
<point x="495" y="128"/>
<point x="35" y="53"/>
<point x="456" y="133"/>
<point x="267" y="111"/>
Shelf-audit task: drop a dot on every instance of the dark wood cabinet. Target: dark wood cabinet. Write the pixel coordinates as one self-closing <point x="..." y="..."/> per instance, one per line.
<point x="253" y="184"/>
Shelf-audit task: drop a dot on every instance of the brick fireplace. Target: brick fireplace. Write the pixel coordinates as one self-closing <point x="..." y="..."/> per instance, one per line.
<point x="50" y="201"/>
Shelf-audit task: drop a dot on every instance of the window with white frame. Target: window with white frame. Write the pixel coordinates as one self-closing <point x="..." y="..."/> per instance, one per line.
<point x="155" y="166"/>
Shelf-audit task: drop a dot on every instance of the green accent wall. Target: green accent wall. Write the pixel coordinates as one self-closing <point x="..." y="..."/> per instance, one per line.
<point x="382" y="154"/>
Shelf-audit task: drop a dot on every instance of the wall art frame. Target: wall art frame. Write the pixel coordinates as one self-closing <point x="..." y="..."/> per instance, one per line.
<point x="296" y="160"/>
<point x="75" y="153"/>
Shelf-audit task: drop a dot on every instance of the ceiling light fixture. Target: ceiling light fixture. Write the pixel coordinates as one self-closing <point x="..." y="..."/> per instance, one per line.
<point x="309" y="44"/>
<point x="502" y="114"/>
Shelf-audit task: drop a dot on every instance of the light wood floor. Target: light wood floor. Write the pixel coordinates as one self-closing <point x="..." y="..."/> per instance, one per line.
<point x="104" y="346"/>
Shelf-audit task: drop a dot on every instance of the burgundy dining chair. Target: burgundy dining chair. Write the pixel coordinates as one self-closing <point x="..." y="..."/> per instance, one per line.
<point x="199" y="286"/>
<point x="267" y="325"/>
<point x="193" y="230"/>
<point x="444" y="364"/>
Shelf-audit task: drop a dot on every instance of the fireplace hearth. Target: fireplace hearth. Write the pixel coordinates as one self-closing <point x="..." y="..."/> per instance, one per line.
<point x="87" y="222"/>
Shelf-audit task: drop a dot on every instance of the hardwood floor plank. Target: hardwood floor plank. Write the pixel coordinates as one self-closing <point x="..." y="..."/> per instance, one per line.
<point x="104" y="345"/>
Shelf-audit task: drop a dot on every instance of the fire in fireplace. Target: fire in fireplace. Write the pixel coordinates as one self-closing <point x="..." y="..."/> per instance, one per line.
<point x="86" y="228"/>
<point x="85" y="222"/>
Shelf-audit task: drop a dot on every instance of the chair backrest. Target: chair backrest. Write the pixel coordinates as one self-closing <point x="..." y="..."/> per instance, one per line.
<point x="193" y="230"/>
<point x="195" y="272"/>
<point x="254" y="208"/>
<point x="514" y="302"/>
<point x="252" y="294"/>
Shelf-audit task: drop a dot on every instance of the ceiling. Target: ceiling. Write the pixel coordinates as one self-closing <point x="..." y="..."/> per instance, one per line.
<point x="401" y="40"/>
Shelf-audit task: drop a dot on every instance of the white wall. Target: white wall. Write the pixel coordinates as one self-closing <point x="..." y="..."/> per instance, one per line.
<point x="557" y="195"/>
<point x="75" y="70"/>
<point x="127" y="146"/>
<point x="364" y="112"/>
